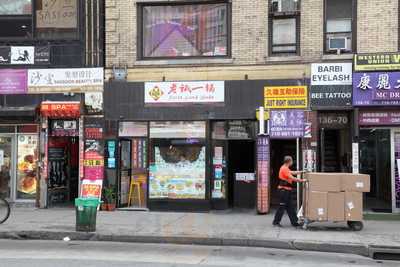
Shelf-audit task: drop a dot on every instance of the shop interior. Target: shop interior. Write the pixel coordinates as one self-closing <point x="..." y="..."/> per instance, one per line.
<point x="63" y="163"/>
<point x="242" y="185"/>
<point x="280" y="149"/>
<point x="375" y="160"/>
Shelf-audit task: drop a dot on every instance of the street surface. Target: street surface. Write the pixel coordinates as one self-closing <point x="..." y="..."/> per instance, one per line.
<point x="99" y="254"/>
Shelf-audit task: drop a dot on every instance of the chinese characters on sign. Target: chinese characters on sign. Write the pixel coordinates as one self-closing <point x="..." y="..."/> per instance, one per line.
<point x="374" y="62"/>
<point x="184" y="92"/>
<point x="77" y="80"/>
<point x="263" y="175"/>
<point x="284" y="97"/>
<point x="383" y="117"/>
<point x="287" y="124"/>
<point x="376" y="88"/>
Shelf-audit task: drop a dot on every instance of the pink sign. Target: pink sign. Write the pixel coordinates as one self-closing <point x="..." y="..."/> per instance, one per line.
<point x="94" y="172"/>
<point x="13" y="81"/>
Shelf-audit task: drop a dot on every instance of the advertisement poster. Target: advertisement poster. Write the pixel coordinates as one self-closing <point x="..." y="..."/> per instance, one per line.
<point x="376" y="89"/>
<point x="263" y="174"/>
<point x="91" y="188"/>
<point x="377" y="61"/>
<point x="182" y="179"/>
<point x="22" y="55"/>
<point x="286" y="124"/>
<point x="13" y="81"/>
<point x="309" y="160"/>
<point x="94" y="103"/>
<point x="184" y="92"/>
<point x="26" y="172"/>
<point x="285" y="97"/>
<point x="397" y="168"/>
<point x="60" y="14"/>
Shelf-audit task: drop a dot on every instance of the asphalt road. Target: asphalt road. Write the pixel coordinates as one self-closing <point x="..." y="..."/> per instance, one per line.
<point x="102" y="254"/>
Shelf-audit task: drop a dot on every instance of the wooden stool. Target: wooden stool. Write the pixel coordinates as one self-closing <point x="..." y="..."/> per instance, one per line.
<point x="132" y="191"/>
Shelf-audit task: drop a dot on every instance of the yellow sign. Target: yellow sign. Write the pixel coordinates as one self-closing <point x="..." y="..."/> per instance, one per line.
<point x="266" y="114"/>
<point x="93" y="162"/>
<point x="285" y="97"/>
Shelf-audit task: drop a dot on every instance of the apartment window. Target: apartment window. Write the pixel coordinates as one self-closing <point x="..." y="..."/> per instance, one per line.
<point x="53" y="19"/>
<point x="339" y="26"/>
<point x="284" y="22"/>
<point x="16" y="18"/>
<point x="184" y="30"/>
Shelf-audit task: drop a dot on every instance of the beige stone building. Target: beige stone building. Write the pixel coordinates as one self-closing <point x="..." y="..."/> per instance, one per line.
<point x="372" y="27"/>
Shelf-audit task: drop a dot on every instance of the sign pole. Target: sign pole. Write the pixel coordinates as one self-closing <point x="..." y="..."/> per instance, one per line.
<point x="298" y="169"/>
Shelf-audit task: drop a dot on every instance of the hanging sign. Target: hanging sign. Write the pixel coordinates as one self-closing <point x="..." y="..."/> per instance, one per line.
<point x="377" y="61"/>
<point x="285" y="97"/>
<point x="263" y="174"/>
<point x="184" y="92"/>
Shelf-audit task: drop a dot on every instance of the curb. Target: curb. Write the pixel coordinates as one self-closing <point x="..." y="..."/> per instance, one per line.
<point x="346" y="248"/>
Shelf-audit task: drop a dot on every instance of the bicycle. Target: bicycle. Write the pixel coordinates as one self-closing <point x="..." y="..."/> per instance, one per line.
<point x="4" y="210"/>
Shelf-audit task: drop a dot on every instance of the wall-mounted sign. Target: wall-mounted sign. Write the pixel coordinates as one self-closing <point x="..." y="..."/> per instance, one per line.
<point x="13" y="81"/>
<point x="60" y="109"/>
<point x="245" y="177"/>
<point x="376" y="89"/>
<point x="64" y="128"/>
<point x="65" y="80"/>
<point x="94" y="103"/>
<point x="379" y="117"/>
<point x="333" y="120"/>
<point x="377" y="61"/>
<point x="284" y="97"/>
<point x="24" y="55"/>
<point x="355" y="158"/>
<point x="60" y="14"/>
<point x="331" y="85"/>
<point x="286" y="124"/>
<point x="184" y="92"/>
<point x="263" y="174"/>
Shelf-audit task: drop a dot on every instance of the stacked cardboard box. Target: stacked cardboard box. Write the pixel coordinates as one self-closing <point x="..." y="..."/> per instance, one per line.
<point x="335" y="196"/>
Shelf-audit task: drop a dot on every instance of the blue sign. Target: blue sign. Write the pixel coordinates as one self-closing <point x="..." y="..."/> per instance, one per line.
<point x="286" y="124"/>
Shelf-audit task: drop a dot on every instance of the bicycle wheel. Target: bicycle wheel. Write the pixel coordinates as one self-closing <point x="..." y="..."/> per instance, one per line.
<point x="4" y="210"/>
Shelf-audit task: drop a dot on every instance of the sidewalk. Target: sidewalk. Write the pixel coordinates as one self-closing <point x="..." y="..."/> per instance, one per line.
<point x="217" y="228"/>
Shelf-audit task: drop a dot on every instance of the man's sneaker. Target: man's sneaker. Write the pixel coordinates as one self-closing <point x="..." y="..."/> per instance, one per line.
<point x="277" y="225"/>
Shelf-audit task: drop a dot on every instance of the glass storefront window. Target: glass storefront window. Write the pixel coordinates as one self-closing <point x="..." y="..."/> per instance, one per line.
<point x="178" y="172"/>
<point x="15" y="7"/>
<point x="178" y="129"/>
<point x="27" y="146"/>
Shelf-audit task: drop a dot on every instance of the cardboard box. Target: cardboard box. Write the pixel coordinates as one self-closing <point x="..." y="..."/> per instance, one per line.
<point x="316" y="206"/>
<point x="324" y="182"/>
<point x="353" y="206"/>
<point x="336" y="206"/>
<point x="355" y="182"/>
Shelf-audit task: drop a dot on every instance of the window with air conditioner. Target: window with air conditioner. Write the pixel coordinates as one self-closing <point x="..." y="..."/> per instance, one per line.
<point x="338" y="26"/>
<point x="284" y="27"/>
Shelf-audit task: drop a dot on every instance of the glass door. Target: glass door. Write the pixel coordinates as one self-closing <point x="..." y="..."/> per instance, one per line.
<point x="7" y="166"/>
<point x="125" y="172"/>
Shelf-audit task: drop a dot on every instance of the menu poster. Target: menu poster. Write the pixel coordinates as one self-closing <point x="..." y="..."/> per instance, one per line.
<point x="139" y="155"/>
<point x="91" y="188"/>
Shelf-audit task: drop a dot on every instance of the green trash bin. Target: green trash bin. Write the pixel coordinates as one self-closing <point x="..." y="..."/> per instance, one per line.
<point x="86" y="212"/>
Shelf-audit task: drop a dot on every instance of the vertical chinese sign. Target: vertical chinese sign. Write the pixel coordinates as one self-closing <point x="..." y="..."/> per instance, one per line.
<point x="397" y="168"/>
<point x="263" y="174"/>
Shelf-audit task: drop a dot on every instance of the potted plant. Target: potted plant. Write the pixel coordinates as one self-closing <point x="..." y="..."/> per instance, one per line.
<point x="109" y="197"/>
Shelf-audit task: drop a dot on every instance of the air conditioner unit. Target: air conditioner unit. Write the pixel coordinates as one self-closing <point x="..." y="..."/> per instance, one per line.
<point x="276" y="6"/>
<point x="337" y="43"/>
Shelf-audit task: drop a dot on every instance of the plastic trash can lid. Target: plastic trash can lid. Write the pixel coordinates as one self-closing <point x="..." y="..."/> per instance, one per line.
<point x="88" y="202"/>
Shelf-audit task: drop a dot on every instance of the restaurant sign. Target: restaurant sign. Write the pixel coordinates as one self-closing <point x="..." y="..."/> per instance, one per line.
<point x="285" y="97"/>
<point x="382" y="118"/>
<point x="376" y="89"/>
<point x="184" y="92"/>
<point x="65" y="80"/>
<point x="376" y="62"/>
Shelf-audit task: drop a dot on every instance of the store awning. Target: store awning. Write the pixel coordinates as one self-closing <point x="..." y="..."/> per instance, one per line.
<point x="60" y="109"/>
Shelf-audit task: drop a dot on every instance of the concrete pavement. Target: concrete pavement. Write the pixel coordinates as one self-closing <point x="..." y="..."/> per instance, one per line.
<point x="220" y="228"/>
<point x="103" y="254"/>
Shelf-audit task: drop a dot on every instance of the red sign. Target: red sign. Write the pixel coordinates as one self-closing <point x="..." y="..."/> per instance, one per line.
<point x="94" y="133"/>
<point x="61" y="109"/>
<point x="94" y="172"/>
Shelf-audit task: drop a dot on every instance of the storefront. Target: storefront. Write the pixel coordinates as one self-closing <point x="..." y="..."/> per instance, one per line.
<point x="376" y="97"/>
<point x="188" y="145"/>
<point x="331" y="97"/>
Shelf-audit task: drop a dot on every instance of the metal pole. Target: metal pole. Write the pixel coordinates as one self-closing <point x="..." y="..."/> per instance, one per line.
<point x="298" y="169"/>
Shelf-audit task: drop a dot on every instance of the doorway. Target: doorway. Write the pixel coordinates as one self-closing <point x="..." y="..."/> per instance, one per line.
<point x="63" y="170"/>
<point x="279" y="149"/>
<point x="6" y="163"/>
<point x="375" y="160"/>
<point x="335" y="150"/>
<point x="242" y="186"/>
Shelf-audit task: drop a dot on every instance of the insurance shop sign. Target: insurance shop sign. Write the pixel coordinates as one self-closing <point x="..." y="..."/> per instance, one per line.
<point x="285" y="97"/>
<point x="376" y="89"/>
<point x="331" y="85"/>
